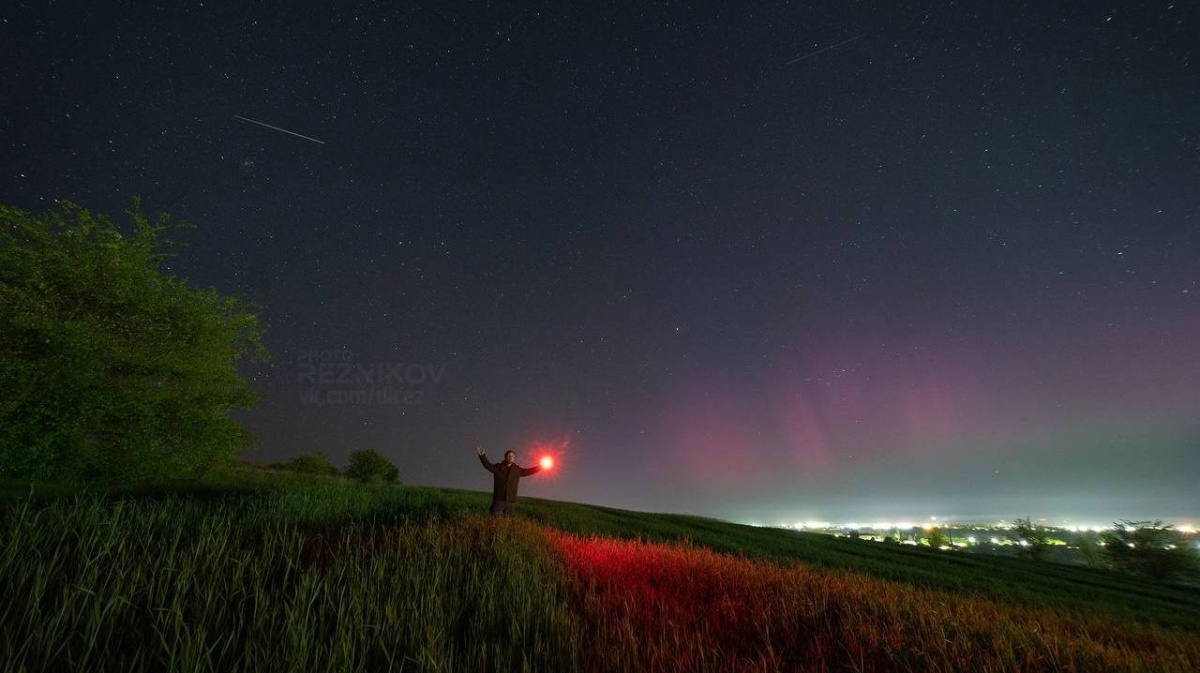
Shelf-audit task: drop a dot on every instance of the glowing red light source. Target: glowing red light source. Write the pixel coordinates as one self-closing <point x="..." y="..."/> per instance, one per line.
<point x="547" y="462"/>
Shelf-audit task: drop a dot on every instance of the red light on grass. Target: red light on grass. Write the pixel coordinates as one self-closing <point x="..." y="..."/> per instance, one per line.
<point x="546" y="462"/>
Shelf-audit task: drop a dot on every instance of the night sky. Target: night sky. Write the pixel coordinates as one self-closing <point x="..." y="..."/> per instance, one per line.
<point x="949" y="266"/>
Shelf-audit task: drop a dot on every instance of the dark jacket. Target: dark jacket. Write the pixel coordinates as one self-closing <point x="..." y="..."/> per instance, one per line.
<point x="506" y="478"/>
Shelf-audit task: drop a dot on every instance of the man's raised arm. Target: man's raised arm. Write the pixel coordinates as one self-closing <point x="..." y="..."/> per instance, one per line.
<point x="487" y="464"/>
<point x="526" y="471"/>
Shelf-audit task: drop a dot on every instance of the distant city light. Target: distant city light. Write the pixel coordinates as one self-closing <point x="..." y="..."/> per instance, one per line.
<point x="931" y="523"/>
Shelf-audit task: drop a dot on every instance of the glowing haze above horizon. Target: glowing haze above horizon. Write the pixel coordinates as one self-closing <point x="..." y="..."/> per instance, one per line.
<point x="947" y="267"/>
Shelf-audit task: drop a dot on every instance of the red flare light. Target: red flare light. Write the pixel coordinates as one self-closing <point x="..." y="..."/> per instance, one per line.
<point x="547" y="452"/>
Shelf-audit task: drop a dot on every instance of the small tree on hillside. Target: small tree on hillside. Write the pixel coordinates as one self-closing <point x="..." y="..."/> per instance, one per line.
<point x="309" y="463"/>
<point x="369" y="467"/>
<point x="1091" y="553"/>
<point x="1148" y="548"/>
<point x="936" y="538"/>
<point x="1033" y="539"/>
<point x="112" y="370"/>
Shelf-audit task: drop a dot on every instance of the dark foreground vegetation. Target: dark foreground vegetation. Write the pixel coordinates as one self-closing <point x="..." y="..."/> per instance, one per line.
<point x="269" y="570"/>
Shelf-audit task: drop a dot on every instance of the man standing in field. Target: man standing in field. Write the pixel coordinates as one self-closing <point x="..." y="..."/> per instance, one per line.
<point x="506" y="476"/>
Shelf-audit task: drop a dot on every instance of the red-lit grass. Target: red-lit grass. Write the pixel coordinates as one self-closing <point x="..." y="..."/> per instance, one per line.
<point x="676" y="608"/>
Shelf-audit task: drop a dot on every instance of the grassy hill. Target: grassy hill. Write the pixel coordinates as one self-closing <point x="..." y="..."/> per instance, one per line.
<point x="263" y="570"/>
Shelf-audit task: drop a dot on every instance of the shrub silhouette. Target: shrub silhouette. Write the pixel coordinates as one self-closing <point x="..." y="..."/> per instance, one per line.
<point x="936" y="539"/>
<point x="309" y="463"/>
<point x="1034" y="540"/>
<point x="1148" y="548"/>
<point x="369" y="467"/>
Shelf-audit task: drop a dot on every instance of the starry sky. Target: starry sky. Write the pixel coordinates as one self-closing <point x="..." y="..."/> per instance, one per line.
<point x="756" y="260"/>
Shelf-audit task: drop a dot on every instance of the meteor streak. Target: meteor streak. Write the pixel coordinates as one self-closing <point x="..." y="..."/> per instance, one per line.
<point x="276" y="128"/>
<point x="825" y="49"/>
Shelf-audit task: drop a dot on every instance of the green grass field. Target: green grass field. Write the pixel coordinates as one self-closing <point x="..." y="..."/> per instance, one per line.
<point x="258" y="570"/>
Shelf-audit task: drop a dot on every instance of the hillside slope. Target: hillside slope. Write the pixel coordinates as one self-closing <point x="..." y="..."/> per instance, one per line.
<point x="272" y="574"/>
<point x="998" y="578"/>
